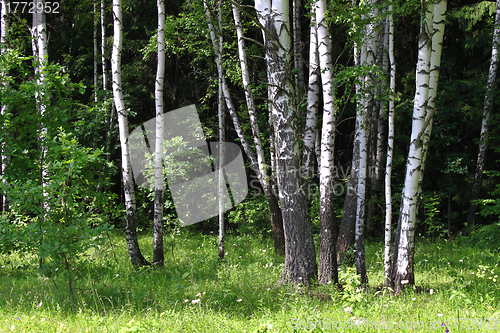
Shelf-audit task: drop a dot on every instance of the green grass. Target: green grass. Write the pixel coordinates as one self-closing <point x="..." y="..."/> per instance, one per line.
<point x="241" y="294"/>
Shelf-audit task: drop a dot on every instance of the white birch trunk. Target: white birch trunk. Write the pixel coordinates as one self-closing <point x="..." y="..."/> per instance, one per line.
<point x="390" y="152"/>
<point x="403" y="273"/>
<point x="366" y="96"/>
<point x="4" y="107"/>
<point x="94" y="39"/>
<point x="311" y="128"/>
<point x="158" y="256"/>
<point x="298" y="47"/>
<point x="300" y="258"/>
<point x="222" y="138"/>
<point x="135" y="255"/>
<point x="263" y="169"/>
<point x="103" y="48"/>
<point x="328" y="234"/>
<point x="227" y="96"/>
<point x="488" y="104"/>
<point x="438" y="22"/>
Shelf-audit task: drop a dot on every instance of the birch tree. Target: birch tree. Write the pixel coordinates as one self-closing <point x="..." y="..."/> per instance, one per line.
<point x="134" y="251"/>
<point x="488" y="104"/>
<point x="94" y="41"/>
<point x="431" y="34"/>
<point x="222" y="138"/>
<point x="328" y="233"/>
<point x="390" y="152"/>
<point x="3" y="108"/>
<point x="300" y="258"/>
<point x="313" y="90"/>
<point x="263" y="171"/>
<point x="158" y="256"/>
<point x="365" y="105"/>
<point x="40" y="55"/>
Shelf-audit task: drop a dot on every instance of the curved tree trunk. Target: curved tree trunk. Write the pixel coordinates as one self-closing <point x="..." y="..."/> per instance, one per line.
<point x="134" y="251"/>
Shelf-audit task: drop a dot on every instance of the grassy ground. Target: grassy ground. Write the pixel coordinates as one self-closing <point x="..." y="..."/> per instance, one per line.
<point x="196" y="293"/>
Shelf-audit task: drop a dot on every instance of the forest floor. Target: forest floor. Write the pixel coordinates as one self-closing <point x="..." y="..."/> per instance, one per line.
<point x="195" y="292"/>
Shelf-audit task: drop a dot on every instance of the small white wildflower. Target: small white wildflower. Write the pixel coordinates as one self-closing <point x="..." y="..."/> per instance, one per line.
<point x="39" y="304"/>
<point x="348" y="309"/>
<point x="239" y="300"/>
<point x="239" y="257"/>
<point x="226" y="253"/>
<point x="426" y="260"/>
<point x="13" y="327"/>
<point x="194" y="301"/>
<point x="211" y="232"/>
<point x="271" y="265"/>
<point x="440" y="314"/>
<point x="263" y="250"/>
<point x="405" y="282"/>
<point x="117" y="275"/>
<point x="460" y="260"/>
<point x="268" y="289"/>
<point x="185" y="301"/>
<point x="3" y="266"/>
<point x="253" y="251"/>
<point x="57" y="269"/>
<point x="431" y="291"/>
<point x="472" y="273"/>
<point x="203" y="293"/>
<point x="414" y="299"/>
<point x="43" y="319"/>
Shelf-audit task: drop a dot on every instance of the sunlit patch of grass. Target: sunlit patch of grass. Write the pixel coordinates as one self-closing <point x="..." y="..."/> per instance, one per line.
<point x="197" y="292"/>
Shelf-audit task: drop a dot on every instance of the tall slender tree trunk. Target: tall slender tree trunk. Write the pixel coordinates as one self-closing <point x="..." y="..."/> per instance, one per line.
<point x="4" y="107"/>
<point x="328" y="232"/>
<point x="104" y="64"/>
<point x="263" y="170"/>
<point x="390" y="153"/>
<point x="403" y="266"/>
<point x="311" y="128"/>
<point x="40" y="54"/>
<point x="379" y="115"/>
<point x="298" y="47"/>
<point x="158" y="255"/>
<point x="488" y="103"/>
<point x="365" y="105"/>
<point x="134" y="251"/>
<point x="222" y="138"/>
<point x="300" y="258"/>
<point x="94" y="40"/>
<point x="346" y="237"/>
